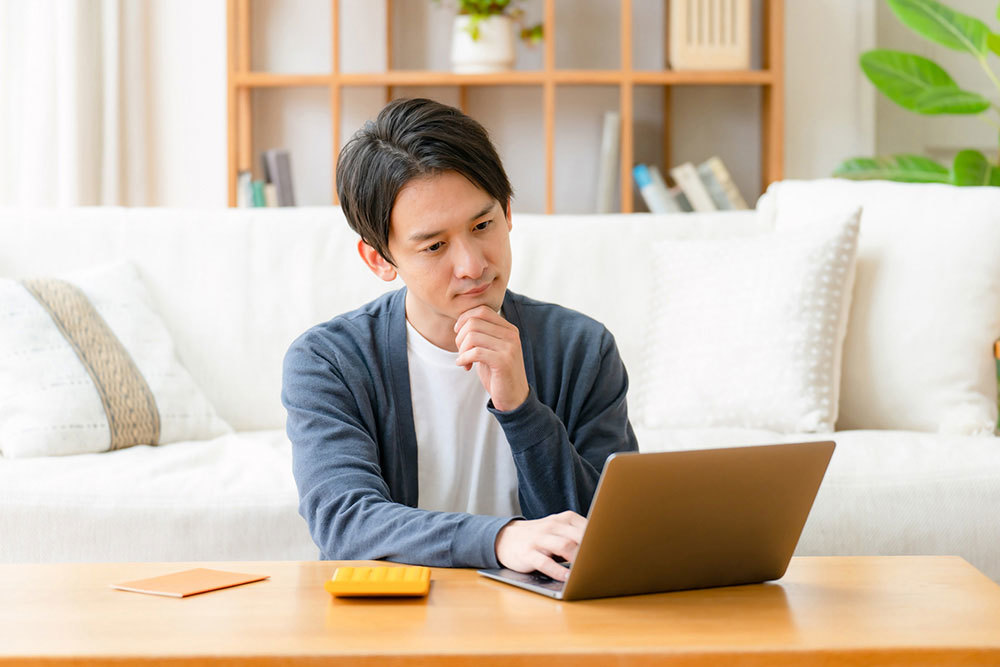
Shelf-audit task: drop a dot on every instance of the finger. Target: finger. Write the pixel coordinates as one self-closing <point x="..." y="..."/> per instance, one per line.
<point x="567" y="531"/>
<point x="502" y="331"/>
<point x="556" y="545"/>
<point x="574" y="519"/>
<point x="485" y="341"/>
<point x="482" y="312"/>
<point x="549" y="567"/>
<point x="480" y="355"/>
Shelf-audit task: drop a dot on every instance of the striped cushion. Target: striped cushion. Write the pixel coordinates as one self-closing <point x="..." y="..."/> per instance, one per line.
<point x="87" y="365"/>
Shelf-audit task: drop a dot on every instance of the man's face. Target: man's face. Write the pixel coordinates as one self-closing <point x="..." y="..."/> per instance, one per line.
<point x="451" y="245"/>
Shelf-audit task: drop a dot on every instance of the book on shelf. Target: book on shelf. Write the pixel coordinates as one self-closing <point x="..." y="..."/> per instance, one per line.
<point x="720" y="185"/>
<point x="687" y="177"/>
<point x="244" y="191"/>
<point x="681" y="200"/>
<point x="257" y="188"/>
<point x="653" y="190"/>
<point x="714" y="188"/>
<point x="607" y="173"/>
<point x="277" y="167"/>
<point x="270" y="194"/>
<point x="683" y="205"/>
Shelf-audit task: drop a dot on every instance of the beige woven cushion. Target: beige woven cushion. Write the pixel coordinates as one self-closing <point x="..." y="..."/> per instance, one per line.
<point x="87" y="365"/>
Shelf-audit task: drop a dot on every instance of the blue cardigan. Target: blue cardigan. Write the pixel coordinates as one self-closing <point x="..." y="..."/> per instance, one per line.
<point x="346" y="388"/>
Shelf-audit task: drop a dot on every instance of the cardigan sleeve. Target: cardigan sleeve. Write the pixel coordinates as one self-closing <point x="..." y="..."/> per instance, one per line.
<point x="343" y="496"/>
<point x="558" y="467"/>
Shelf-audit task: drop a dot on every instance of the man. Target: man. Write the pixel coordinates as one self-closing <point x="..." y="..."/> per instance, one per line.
<point x="450" y="423"/>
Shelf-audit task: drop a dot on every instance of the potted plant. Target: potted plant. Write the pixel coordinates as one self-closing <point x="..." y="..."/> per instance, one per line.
<point x="920" y="85"/>
<point x="482" y="38"/>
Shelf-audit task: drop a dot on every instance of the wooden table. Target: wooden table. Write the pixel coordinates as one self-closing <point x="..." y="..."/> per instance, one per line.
<point x="854" y="611"/>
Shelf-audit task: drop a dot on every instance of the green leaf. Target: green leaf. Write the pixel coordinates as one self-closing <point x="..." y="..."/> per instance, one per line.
<point x="971" y="168"/>
<point x="918" y="84"/>
<point x="993" y="41"/>
<point x="943" y="25"/>
<point x="995" y="176"/>
<point x="906" y="168"/>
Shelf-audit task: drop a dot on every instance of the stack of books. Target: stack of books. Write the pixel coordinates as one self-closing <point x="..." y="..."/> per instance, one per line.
<point x="275" y="189"/>
<point x="705" y="187"/>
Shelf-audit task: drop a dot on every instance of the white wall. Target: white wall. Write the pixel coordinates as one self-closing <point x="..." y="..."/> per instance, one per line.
<point x="829" y="110"/>
<point x="187" y="105"/>
<point x="829" y="106"/>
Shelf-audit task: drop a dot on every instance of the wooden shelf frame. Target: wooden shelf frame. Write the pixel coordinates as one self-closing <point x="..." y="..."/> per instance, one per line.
<point x="242" y="80"/>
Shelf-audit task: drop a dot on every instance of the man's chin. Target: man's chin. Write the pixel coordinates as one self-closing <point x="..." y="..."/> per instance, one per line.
<point x="492" y="297"/>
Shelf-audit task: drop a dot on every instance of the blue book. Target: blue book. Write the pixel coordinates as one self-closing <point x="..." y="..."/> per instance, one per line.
<point x="258" y="193"/>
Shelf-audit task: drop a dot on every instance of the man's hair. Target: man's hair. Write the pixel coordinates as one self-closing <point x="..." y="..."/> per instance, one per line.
<point x="411" y="138"/>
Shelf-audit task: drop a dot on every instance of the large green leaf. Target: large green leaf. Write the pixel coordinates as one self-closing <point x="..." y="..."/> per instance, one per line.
<point x="918" y="84"/>
<point x="993" y="41"/>
<point x="971" y="168"/>
<point x="995" y="176"/>
<point x="943" y="25"/>
<point x="907" y="168"/>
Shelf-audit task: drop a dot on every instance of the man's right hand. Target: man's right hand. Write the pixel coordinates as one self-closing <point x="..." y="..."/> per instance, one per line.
<point x="525" y="546"/>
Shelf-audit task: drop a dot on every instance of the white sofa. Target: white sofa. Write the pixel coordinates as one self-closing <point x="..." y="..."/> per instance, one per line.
<point x="236" y="286"/>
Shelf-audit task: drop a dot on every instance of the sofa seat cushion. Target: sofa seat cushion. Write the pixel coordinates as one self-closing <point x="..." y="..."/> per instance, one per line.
<point x="886" y="492"/>
<point x="231" y="498"/>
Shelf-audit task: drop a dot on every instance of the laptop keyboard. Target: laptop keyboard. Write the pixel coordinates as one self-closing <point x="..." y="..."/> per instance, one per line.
<point x="535" y="579"/>
<point x="545" y="581"/>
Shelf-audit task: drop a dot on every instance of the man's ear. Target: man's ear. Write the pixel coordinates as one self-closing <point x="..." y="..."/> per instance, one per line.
<point x="376" y="262"/>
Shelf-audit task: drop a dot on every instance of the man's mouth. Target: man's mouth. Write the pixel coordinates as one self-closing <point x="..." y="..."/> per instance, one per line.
<point x="476" y="291"/>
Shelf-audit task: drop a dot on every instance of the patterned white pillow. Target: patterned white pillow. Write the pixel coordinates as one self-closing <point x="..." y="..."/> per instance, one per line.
<point x="749" y="332"/>
<point x="87" y="365"/>
<point x="926" y="306"/>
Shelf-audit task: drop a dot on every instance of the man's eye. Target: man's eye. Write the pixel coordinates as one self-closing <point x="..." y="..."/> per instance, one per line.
<point x="483" y="225"/>
<point x="434" y="248"/>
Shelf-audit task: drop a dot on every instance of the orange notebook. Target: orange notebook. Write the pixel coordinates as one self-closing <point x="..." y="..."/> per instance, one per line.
<point x="188" y="582"/>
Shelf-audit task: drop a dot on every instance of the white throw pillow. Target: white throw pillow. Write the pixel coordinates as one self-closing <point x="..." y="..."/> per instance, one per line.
<point x="748" y="332"/>
<point x="87" y="365"/>
<point x="918" y="352"/>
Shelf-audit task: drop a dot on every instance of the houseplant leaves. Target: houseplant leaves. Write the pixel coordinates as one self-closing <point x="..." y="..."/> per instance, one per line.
<point x="908" y="168"/>
<point x="972" y="168"/>
<point x="918" y="84"/>
<point x="943" y="25"/>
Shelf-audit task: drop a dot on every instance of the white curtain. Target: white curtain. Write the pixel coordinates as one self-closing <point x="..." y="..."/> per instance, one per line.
<point x="74" y="123"/>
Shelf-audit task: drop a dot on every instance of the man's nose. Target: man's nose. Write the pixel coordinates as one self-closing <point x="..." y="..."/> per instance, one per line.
<point x="469" y="261"/>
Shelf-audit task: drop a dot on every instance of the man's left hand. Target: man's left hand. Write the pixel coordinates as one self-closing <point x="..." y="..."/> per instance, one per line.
<point x="494" y="345"/>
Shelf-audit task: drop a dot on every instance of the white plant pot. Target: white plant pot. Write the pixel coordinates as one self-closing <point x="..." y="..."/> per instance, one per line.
<point x="492" y="52"/>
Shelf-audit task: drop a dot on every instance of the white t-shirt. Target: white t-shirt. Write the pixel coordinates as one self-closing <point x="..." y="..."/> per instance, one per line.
<point x="464" y="463"/>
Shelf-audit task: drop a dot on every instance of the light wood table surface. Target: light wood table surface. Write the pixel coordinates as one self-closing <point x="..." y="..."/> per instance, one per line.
<point x="826" y="611"/>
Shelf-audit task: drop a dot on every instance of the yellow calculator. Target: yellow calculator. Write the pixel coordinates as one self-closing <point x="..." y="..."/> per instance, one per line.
<point x="380" y="581"/>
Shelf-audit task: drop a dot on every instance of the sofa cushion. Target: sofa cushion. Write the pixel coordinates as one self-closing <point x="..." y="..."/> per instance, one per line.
<point x="926" y="310"/>
<point x="88" y="366"/>
<point x="231" y="498"/>
<point x="748" y="332"/>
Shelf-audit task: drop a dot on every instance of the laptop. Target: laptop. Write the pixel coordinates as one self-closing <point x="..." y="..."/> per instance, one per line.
<point x="682" y="520"/>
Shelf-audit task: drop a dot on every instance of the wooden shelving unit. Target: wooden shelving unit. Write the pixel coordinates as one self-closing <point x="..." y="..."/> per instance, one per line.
<point x="242" y="80"/>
